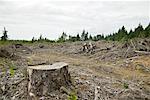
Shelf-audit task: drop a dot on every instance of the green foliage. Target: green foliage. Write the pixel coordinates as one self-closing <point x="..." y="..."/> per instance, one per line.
<point x="41" y="38"/>
<point x="12" y="67"/>
<point x="63" y="37"/>
<point x="84" y="36"/>
<point x="72" y="96"/>
<point x="138" y="31"/>
<point x="98" y="37"/>
<point x="125" y="85"/>
<point x="130" y="35"/>
<point x="73" y="38"/>
<point x="90" y="37"/>
<point x="121" y="35"/>
<point x="78" y="37"/>
<point x="12" y="70"/>
<point x="33" y="40"/>
<point x="147" y="31"/>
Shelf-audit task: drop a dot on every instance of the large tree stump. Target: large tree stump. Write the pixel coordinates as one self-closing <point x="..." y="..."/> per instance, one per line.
<point x="43" y="79"/>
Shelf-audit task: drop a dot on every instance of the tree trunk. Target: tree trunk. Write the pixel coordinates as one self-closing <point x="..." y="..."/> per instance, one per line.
<point x="43" y="79"/>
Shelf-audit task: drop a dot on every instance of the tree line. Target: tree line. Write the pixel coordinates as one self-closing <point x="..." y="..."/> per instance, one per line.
<point x="121" y="35"/>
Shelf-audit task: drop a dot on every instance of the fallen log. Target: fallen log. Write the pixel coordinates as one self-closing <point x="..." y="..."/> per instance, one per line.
<point x="141" y="52"/>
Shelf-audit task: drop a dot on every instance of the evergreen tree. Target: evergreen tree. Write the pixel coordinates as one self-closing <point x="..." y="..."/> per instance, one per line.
<point x="78" y="37"/>
<point x="86" y="36"/>
<point x="90" y="37"/>
<point x="103" y="36"/>
<point x="130" y="35"/>
<point x="121" y="35"/>
<point x="40" y="38"/>
<point x="138" y="31"/>
<point x="147" y="31"/>
<point x="33" y="40"/>
<point x="108" y="37"/>
<point x="100" y="37"/>
<point x="95" y="38"/>
<point x="5" y="36"/>
<point x="63" y="37"/>
<point x="70" y="37"/>
<point x="83" y="35"/>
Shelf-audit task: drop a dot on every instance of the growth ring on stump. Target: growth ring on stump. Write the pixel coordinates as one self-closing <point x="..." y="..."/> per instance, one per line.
<point x="43" y="79"/>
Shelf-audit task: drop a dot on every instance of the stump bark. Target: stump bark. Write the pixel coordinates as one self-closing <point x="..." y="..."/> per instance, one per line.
<point x="43" y="79"/>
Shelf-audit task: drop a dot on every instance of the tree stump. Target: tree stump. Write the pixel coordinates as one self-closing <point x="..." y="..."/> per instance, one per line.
<point x="43" y="79"/>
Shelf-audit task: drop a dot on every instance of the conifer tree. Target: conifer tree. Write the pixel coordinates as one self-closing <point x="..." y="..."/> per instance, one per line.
<point x="147" y="31"/>
<point x="5" y="36"/>
<point x="78" y="37"/>
<point x="86" y="36"/>
<point x="63" y="37"/>
<point x="33" y="40"/>
<point x="83" y="35"/>
<point x="138" y="31"/>
<point x="90" y="37"/>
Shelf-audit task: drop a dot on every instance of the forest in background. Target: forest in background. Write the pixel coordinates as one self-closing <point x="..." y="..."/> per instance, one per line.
<point x="121" y="35"/>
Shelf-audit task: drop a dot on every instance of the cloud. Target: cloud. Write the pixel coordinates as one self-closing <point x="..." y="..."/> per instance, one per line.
<point x="27" y="18"/>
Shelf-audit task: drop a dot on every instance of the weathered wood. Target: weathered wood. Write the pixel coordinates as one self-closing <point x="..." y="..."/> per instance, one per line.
<point x="63" y="89"/>
<point x="142" y="52"/>
<point x="43" y="79"/>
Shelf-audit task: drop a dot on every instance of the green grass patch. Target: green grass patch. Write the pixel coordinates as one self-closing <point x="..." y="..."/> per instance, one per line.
<point x="125" y="85"/>
<point x="72" y="96"/>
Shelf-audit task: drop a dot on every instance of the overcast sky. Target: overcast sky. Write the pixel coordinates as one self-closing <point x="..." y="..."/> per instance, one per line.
<point x="27" y="18"/>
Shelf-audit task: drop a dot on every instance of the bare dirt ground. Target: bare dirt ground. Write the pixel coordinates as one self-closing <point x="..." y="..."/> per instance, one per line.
<point x="113" y="71"/>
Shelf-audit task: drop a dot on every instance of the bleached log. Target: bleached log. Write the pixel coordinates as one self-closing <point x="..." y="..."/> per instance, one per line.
<point x="142" y="52"/>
